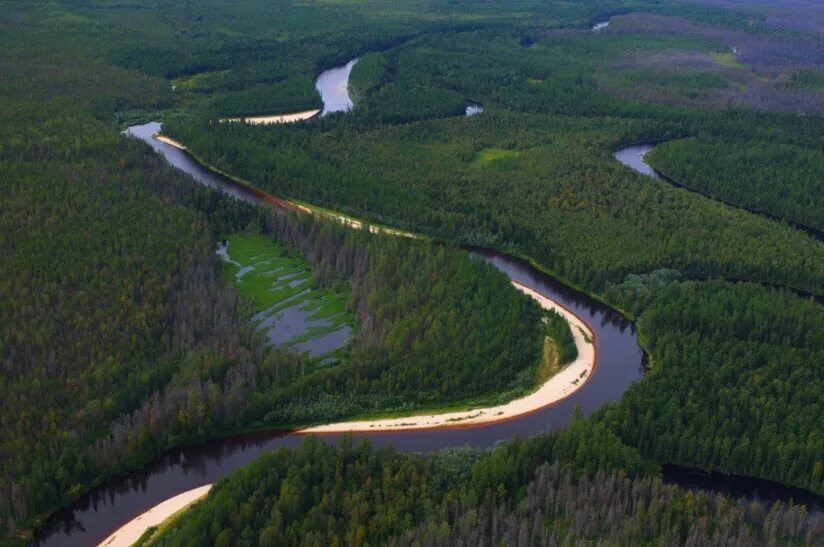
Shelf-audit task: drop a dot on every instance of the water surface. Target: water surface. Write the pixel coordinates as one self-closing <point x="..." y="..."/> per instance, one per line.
<point x="633" y="157"/>
<point x="333" y="86"/>
<point x="474" y="109"/>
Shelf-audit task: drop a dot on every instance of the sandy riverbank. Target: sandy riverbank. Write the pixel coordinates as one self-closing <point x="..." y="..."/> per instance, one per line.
<point x="559" y="387"/>
<point x="130" y="532"/>
<point x="276" y="118"/>
<point x="169" y="141"/>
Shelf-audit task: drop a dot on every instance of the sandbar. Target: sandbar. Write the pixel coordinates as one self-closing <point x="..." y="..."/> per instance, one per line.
<point x="130" y="532"/>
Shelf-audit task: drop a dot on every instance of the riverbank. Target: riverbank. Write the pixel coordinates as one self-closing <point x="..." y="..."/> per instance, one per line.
<point x="292" y="204"/>
<point x="619" y="357"/>
<point x="557" y="388"/>
<point x="560" y="386"/>
<point x="275" y="118"/>
<point x="634" y="157"/>
<point x="130" y="532"/>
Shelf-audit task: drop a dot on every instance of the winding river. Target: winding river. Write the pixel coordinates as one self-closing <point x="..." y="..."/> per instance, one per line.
<point x="620" y="362"/>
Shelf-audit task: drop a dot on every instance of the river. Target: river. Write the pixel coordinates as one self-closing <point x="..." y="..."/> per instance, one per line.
<point x="333" y="86"/>
<point x="620" y="362"/>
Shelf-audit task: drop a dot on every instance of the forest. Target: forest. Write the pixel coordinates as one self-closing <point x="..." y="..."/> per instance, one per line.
<point x="120" y="337"/>
<point x="785" y="180"/>
<point x="735" y="367"/>
<point x="534" y="492"/>
<point x="436" y="326"/>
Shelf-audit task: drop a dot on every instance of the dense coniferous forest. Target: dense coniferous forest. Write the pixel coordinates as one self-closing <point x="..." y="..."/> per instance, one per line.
<point x="119" y="338"/>
<point x="785" y="180"/>
<point x="214" y="377"/>
<point x="419" y="176"/>
<point x="436" y="326"/>
<point x="736" y="366"/>
<point x="541" y="491"/>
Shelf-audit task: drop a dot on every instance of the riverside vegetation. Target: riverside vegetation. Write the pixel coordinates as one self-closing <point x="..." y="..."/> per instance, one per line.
<point x="119" y="340"/>
<point x="750" y="173"/>
<point x="579" y="485"/>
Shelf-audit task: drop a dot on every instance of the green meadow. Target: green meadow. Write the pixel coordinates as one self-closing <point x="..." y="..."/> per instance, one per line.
<point x="489" y="157"/>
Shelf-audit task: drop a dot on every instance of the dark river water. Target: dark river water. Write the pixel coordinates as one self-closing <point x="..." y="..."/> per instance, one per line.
<point x="620" y="362"/>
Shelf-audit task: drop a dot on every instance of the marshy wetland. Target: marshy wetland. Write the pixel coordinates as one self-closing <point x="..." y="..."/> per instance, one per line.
<point x="290" y="308"/>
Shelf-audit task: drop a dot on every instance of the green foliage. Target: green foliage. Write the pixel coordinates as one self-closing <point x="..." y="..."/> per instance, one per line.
<point x="270" y="274"/>
<point x="735" y="382"/>
<point x="726" y="59"/>
<point x="594" y="488"/>
<point x="102" y="267"/>
<point x="783" y="179"/>
<point x="637" y="292"/>
<point x="495" y="157"/>
<point x="807" y="79"/>
<point x="559" y="331"/>
<point x="353" y="493"/>
<point x="120" y="342"/>
<point x="278" y="282"/>
<point x="370" y="72"/>
<point x="416" y="176"/>
<point x="436" y="326"/>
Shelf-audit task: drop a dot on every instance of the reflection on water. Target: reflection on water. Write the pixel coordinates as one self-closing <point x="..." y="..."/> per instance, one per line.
<point x="598" y="27"/>
<point x="333" y="86"/>
<point x="184" y="162"/>
<point x="633" y="157"/>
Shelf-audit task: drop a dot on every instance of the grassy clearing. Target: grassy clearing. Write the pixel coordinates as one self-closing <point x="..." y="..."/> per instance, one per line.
<point x="550" y="362"/>
<point x="726" y="59"/>
<point x="494" y="156"/>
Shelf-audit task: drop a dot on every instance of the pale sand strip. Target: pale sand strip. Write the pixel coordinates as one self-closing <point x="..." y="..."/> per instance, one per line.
<point x="276" y="118"/>
<point x="169" y="141"/>
<point x="343" y="219"/>
<point x="130" y="532"/>
<point x="559" y="387"/>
